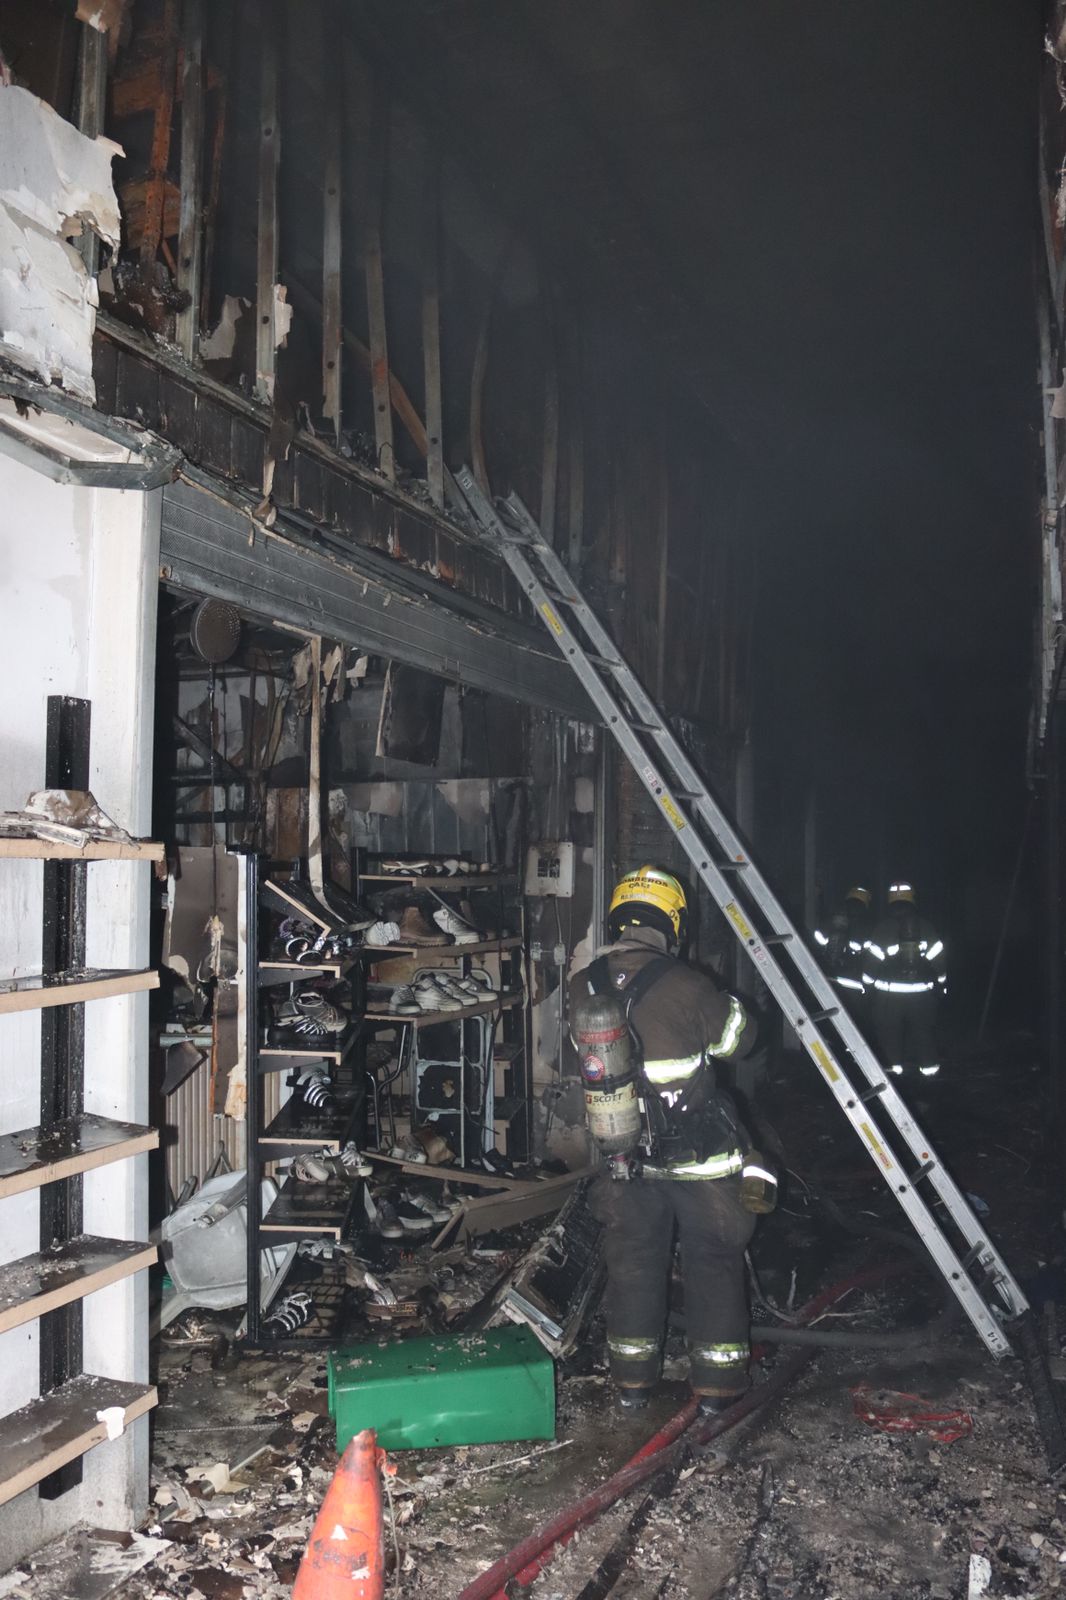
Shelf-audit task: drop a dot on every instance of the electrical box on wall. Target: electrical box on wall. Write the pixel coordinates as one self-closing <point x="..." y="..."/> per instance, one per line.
<point x="550" y="868"/>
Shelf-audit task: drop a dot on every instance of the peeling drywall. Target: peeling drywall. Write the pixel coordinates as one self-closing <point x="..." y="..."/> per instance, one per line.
<point x="54" y="182"/>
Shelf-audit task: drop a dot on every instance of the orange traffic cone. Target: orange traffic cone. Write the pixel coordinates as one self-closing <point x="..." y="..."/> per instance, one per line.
<point x="345" y="1555"/>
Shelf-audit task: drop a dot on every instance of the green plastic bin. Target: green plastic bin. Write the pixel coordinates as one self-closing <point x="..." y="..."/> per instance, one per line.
<point x="474" y="1388"/>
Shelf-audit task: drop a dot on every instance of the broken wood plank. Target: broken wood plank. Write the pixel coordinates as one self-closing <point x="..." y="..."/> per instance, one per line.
<point x="374" y="270"/>
<point x="332" y="208"/>
<point x="158" y="161"/>
<point x="92" y="850"/>
<point x="43" y="1282"/>
<point x="36" y="1156"/>
<point x="44" y="1435"/>
<point x="39" y="991"/>
<point x="266" y="340"/>
<point x="431" y="327"/>
<point x="190" y="236"/>
<point x="493" y="1211"/>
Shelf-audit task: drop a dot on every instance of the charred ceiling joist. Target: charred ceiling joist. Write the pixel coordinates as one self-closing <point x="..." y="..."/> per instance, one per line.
<point x="359" y="598"/>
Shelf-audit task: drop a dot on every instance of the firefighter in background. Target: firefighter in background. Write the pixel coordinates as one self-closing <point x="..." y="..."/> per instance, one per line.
<point x="905" y="971"/>
<point x="688" y="1175"/>
<point x="843" y="947"/>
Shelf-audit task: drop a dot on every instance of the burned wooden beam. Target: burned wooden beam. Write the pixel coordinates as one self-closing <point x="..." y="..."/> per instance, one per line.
<point x="92" y="100"/>
<point x="190" y="233"/>
<point x="373" y="267"/>
<point x="229" y="35"/>
<point x="332" y="210"/>
<point x="156" y="184"/>
<point x="266" y="341"/>
<point x="431" y="328"/>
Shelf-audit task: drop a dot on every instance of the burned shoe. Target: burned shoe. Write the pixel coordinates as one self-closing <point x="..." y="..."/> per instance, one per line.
<point x="308" y="1168"/>
<point x="427" y="1205"/>
<point x="412" y="1219"/>
<point x="414" y="929"/>
<point x="381" y="934"/>
<point x="388" y="1223"/>
<point x="289" y="1314"/>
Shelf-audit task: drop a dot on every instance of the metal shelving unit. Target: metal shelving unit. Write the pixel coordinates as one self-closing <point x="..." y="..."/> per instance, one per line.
<point x="43" y="1441"/>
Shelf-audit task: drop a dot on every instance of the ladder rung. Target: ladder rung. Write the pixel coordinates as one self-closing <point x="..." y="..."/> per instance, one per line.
<point x="777" y="938"/>
<point x="922" y="1171"/>
<point x="735" y="866"/>
<point x="606" y="662"/>
<point x="645" y="727"/>
<point x="823" y="1016"/>
<point x="691" y="795"/>
<point x="560" y="598"/>
<point x="873" y="1092"/>
<point x="972" y="1255"/>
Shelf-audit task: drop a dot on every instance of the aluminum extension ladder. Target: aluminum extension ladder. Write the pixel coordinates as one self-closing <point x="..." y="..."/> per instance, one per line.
<point x="936" y="1207"/>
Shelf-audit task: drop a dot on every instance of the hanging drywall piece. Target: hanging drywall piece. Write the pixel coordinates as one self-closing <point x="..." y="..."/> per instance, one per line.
<point x="54" y="182"/>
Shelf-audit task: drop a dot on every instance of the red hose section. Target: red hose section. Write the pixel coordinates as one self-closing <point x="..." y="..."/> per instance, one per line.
<point x="532" y="1554"/>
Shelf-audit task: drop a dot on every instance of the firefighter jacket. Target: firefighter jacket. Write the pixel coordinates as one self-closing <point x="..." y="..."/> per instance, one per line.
<point x="905" y="955"/>
<point x="684" y="1024"/>
<point x="842" y="946"/>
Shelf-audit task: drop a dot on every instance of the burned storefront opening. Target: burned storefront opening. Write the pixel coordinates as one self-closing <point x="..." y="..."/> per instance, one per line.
<point x="530" y="852"/>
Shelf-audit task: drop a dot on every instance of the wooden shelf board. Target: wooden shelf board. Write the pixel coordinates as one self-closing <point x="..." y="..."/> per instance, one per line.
<point x="451" y="952"/>
<point x="34" y="1156"/>
<point x="309" y="1208"/>
<point x="502" y="1001"/>
<point x="278" y="1050"/>
<point x="39" y="1283"/>
<point x="43" y="1436"/>
<point x="299" y="968"/>
<point x="71" y="988"/>
<point x="32" y="849"/>
<point x="461" y="880"/>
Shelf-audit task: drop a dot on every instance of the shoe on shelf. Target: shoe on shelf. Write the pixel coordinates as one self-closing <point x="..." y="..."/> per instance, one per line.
<point x="455" y="990"/>
<point x="493" y="1162"/>
<point x="308" y="1168"/>
<point x="316" y="1014"/>
<point x="402" y="1002"/>
<point x="484" y="932"/>
<point x="316" y="1090"/>
<point x="427" y="1205"/>
<point x="431" y="997"/>
<point x="408" y="1152"/>
<point x="452" y="924"/>
<point x="411" y="1218"/>
<point x="388" y="1223"/>
<point x="354" y="1162"/>
<point x="414" y="929"/>
<point x="406" y="869"/>
<point x="382" y="933"/>
<point x="290" y="1313"/>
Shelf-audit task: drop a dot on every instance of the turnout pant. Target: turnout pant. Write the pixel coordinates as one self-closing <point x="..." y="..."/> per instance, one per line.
<point x="641" y="1218"/>
<point x="906" y="1028"/>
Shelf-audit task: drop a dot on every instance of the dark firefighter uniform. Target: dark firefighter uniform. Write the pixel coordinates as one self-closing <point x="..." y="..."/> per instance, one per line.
<point x="842" y="946"/>
<point x="689" y="1181"/>
<point x="905" y="972"/>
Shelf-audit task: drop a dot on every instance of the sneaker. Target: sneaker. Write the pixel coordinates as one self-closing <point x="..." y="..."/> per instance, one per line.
<point x="406" y="869"/>
<point x="289" y="1314"/>
<point x="455" y="989"/>
<point x="382" y="933"/>
<point x="414" y="929"/>
<point x="466" y="911"/>
<point x="408" y="1152"/>
<point x="426" y="1204"/>
<point x="317" y="1015"/>
<point x="494" y="1162"/>
<point x="354" y="1162"/>
<point x="412" y="1219"/>
<point x="388" y="1222"/>
<point x="316" y="1091"/>
<point x="402" y="1002"/>
<point x="431" y="997"/>
<point x="459" y="932"/>
<point x="309" y="1168"/>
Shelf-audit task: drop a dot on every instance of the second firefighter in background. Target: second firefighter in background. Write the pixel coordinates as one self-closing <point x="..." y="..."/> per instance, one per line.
<point x="686" y="1177"/>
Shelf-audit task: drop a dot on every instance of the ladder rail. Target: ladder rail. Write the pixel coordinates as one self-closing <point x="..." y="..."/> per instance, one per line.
<point x="688" y="778"/>
<point x="727" y="895"/>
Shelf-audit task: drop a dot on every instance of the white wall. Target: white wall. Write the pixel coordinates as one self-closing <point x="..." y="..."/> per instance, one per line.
<point x="78" y="589"/>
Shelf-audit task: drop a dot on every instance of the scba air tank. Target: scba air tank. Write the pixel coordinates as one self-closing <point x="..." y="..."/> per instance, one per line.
<point x="609" y="1068"/>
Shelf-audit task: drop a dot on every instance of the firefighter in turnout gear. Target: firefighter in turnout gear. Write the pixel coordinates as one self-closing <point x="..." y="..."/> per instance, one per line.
<point x="842" y="947"/>
<point x="689" y="1170"/>
<point x="905" y="972"/>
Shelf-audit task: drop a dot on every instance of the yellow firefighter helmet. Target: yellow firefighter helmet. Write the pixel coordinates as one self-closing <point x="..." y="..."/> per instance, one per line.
<point x="898" y="893"/>
<point x="650" y="898"/>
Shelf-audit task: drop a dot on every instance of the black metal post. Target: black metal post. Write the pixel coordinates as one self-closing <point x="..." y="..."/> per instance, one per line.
<point x="63" y="1052"/>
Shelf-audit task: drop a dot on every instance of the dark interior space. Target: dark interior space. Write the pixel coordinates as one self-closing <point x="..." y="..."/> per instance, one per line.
<point x="532" y="838"/>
